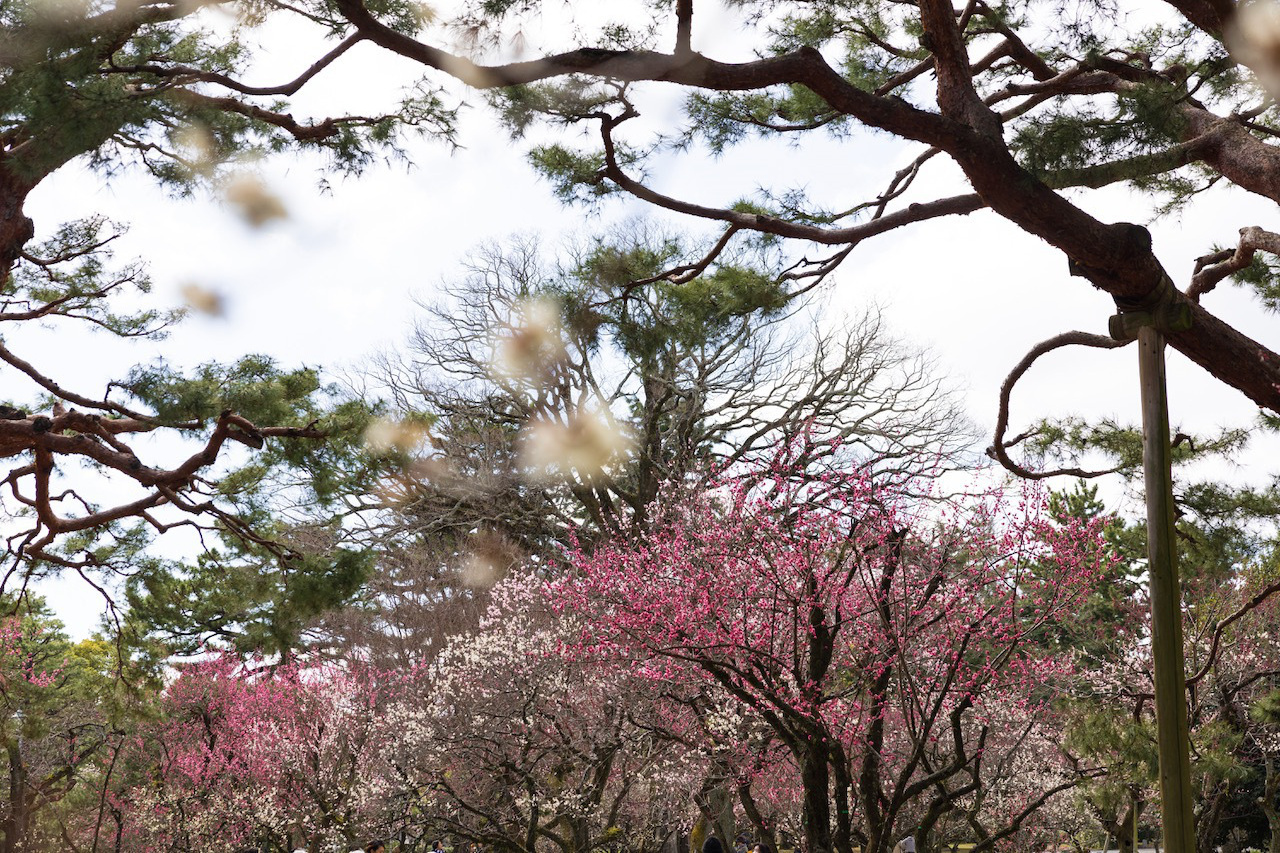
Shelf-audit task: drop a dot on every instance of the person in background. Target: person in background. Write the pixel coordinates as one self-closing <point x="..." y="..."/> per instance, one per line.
<point x="712" y="845"/>
<point x="375" y="847"/>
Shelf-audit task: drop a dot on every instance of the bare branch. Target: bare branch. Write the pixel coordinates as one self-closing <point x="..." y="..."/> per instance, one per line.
<point x="54" y="388"/>
<point x="999" y="448"/>
<point x="184" y="74"/>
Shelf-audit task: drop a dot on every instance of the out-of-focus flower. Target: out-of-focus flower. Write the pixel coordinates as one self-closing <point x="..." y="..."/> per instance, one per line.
<point x="383" y="435"/>
<point x="190" y="7"/>
<point x="254" y="201"/>
<point x="490" y="556"/>
<point x="586" y="442"/>
<point x="204" y="300"/>
<point x="445" y="477"/>
<point x="199" y="148"/>
<point x="1254" y="39"/>
<point x="532" y="345"/>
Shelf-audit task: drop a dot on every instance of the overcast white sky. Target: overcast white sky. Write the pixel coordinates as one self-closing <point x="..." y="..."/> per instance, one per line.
<point x="335" y="282"/>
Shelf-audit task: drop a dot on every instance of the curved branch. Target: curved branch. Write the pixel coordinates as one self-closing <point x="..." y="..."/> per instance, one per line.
<point x="999" y="448"/>
<point x="92" y="436"/>
<point x="187" y="73"/>
<point x="1257" y="600"/>
<point x="286" y="122"/>
<point x="54" y="388"/>
<point x="955" y="205"/>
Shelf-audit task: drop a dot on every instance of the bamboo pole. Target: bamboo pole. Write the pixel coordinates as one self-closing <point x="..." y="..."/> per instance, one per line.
<point x="1176" y="817"/>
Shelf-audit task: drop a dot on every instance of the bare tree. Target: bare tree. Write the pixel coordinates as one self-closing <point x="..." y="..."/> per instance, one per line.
<point x="715" y="368"/>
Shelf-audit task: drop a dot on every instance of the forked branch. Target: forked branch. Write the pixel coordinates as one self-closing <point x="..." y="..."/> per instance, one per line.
<point x="1213" y="268"/>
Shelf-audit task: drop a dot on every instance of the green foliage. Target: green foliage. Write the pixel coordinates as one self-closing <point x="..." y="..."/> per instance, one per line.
<point x="563" y="102"/>
<point x="253" y="387"/>
<point x="63" y="707"/>
<point x="1222" y="527"/>
<point x="1071" y="440"/>
<point x="71" y="272"/>
<point x="1266" y="709"/>
<point x="263" y="591"/>
<point x="1130" y="746"/>
<point x="575" y="177"/>
<point x="79" y="90"/>
<point x="670" y="316"/>
<point x="722" y="120"/>
<point x="244" y="597"/>
<point x="498" y="8"/>
<point x="1262" y="276"/>
<point x="1139" y="121"/>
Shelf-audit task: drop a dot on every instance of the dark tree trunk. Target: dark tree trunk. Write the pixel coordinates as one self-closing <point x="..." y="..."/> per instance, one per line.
<point x="15" y="825"/>
<point x="16" y="229"/>
<point x="843" y="839"/>
<point x="763" y="829"/>
<point x="816" y="779"/>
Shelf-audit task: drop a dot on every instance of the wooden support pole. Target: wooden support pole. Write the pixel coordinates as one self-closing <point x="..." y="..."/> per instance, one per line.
<point x="1176" y="817"/>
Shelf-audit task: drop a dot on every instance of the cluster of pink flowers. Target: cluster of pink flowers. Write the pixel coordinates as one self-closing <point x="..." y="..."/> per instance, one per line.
<point x="241" y="753"/>
<point x="754" y="633"/>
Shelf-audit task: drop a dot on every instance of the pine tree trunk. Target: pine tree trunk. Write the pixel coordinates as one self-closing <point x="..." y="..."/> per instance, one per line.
<point x="15" y="228"/>
<point x="15" y="825"/>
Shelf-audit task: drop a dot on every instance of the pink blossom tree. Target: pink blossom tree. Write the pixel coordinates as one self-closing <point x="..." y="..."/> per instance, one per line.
<point x="279" y="756"/>
<point x="885" y="647"/>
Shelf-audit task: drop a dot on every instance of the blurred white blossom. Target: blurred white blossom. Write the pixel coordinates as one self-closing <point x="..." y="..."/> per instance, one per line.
<point x="489" y="558"/>
<point x="585" y="442"/>
<point x="531" y="346"/>
<point x="199" y="148"/>
<point x="256" y="203"/>
<point x="383" y="435"/>
<point x="203" y="300"/>
<point x="1254" y="38"/>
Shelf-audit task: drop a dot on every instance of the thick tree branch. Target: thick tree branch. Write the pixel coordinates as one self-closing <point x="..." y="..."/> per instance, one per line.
<point x="957" y="96"/>
<point x="804" y="66"/>
<point x="684" y="29"/>
<point x="1209" y="15"/>
<point x="1227" y="145"/>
